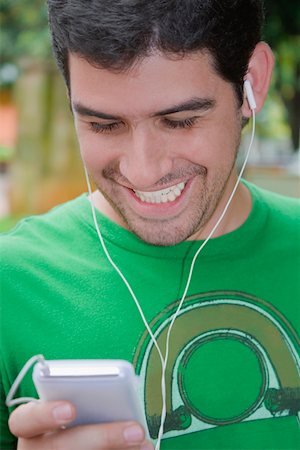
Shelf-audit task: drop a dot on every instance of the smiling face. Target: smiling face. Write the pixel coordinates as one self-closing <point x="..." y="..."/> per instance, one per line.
<point x="160" y="142"/>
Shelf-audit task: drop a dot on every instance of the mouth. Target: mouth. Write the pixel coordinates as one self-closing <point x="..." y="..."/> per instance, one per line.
<point x="167" y="195"/>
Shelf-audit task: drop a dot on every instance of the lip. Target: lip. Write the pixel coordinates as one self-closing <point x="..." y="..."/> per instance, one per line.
<point x="159" y="210"/>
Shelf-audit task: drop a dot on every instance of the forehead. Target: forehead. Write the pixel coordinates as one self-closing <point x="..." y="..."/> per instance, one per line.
<point x="154" y="83"/>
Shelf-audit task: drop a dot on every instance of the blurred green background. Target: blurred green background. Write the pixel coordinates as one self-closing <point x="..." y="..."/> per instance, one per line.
<point x="39" y="159"/>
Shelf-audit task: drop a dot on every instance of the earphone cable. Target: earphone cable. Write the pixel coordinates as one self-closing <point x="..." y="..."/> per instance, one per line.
<point x="175" y="315"/>
<point x="10" y="401"/>
<point x="164" y="359"/>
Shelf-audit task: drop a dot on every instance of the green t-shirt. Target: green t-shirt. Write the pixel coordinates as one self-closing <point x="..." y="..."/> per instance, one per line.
<point x="233" y="370"/>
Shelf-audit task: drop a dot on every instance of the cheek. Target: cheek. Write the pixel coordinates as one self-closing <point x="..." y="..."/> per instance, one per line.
<point x="94" y="150"/>
<point x="211" y="148"/>
<point x="224" y="141"/>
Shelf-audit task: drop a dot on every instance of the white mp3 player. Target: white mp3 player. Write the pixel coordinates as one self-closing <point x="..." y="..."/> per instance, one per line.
<point x="101" y="390"/>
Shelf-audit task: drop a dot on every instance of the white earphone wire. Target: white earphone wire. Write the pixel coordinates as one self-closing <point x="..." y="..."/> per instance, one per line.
<point x="164" y="359"/>
<point x="10" y="401"/>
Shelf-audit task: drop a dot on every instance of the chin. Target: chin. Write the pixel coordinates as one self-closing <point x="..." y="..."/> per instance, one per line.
<point x="162" y="235"/>
<point x="159" y="241"/>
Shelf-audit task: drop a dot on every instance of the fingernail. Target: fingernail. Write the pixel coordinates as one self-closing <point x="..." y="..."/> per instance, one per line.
<point x="147" y="446"/>
<point x="133" y="434"/>
<point x="62" y="413"/>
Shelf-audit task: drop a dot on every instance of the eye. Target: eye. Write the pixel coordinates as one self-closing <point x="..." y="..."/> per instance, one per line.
<point x="97" y="127"/>
<point x="185" y="123"/>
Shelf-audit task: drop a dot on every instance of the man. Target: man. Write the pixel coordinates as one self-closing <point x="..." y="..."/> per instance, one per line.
<point x="156" y="89"/>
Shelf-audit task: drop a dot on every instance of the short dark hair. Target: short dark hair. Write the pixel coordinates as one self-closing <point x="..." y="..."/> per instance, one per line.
<point x="114" y="34"/>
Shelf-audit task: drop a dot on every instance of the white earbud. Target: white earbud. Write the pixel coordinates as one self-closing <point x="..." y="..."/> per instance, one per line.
<point x="249" y="94"/>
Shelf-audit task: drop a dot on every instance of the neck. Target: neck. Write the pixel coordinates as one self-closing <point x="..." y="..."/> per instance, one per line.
<point x="236" y="214"/>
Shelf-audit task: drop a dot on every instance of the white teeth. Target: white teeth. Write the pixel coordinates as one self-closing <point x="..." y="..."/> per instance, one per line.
<point x="163" y="196"/>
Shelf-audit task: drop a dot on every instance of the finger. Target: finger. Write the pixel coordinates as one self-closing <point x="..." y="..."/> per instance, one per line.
<point x="36" y="418"/>
<point x="117" y="435"/>
<point x="112" y="436"/>
<point x="31" y="444"/>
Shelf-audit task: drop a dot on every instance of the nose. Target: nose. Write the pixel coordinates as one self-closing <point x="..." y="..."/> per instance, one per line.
<point x="145" y="160"/>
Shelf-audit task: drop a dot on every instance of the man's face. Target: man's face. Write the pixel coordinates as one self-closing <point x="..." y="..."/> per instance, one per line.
<point x="159" y="141"/>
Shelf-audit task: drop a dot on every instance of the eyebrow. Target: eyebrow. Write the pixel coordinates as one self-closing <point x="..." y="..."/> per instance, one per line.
<point x="85" y="111"/>
<point x="194" y="104"/>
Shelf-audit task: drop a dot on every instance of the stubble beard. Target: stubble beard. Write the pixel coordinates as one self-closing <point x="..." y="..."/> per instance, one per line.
<point x="168" y="232"/>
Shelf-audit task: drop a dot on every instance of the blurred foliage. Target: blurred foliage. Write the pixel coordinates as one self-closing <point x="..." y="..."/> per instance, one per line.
<point x="283" y="19"/>
<point x="6" y="154"/>
<point x="282" y="32"/>
<point x="23" y="33"/>
<point x="24" y="29"/>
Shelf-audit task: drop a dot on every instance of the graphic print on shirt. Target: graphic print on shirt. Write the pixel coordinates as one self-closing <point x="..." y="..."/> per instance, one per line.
<point x="232" y="358"/>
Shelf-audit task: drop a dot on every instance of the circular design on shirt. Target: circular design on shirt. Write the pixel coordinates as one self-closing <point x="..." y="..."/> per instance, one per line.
<point x="233" y="358"/>
<point x="230" y="376"/>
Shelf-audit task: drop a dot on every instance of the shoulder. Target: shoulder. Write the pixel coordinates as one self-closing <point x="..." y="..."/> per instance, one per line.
<point x="281" y="210"/>
<point x="36" y="232"/>
<point x="58" y="216"/>
<point x="278" y="222"/>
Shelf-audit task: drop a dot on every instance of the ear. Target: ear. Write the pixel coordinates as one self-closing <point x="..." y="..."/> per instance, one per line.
<point x="259" y="74"/>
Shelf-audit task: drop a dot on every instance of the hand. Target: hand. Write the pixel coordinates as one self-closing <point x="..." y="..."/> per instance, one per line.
<point x="38" y="425"/>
